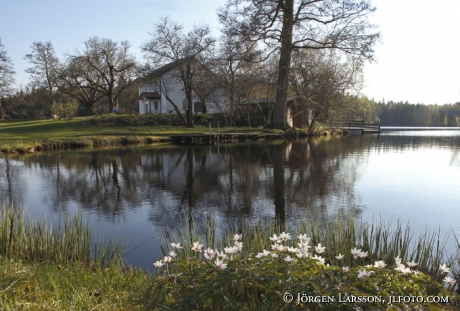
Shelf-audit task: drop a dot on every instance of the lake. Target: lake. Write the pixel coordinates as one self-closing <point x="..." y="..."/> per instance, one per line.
<point x="135" y="193"/>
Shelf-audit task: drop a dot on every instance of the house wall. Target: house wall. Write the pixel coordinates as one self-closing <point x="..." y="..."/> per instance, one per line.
<point x="175" y="93"/>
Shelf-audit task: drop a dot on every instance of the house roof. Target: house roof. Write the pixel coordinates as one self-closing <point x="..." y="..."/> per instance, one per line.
<point x="149" y="95"/>
<point x="159" y="72"/>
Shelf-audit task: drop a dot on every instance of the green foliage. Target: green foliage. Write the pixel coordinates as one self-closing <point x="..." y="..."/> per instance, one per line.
<point x="64" y="110"/>
<point x="406" y="114"/>
<point x="256" y="275"/>
<point x="77" y="286"/>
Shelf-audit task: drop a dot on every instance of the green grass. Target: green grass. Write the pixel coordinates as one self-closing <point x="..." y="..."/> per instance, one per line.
<point x="26" y="286"/>
<point x="63" y="241"/>
<point x="252" y="281"/>
<point x="28" y="135"/>
<point x="47" y="265"/>
<point x="25" y="134"/>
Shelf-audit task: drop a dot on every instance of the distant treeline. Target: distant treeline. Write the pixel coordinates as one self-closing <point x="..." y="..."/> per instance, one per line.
<point x="406" y="114"/>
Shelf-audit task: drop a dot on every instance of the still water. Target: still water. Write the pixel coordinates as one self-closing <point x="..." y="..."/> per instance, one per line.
<point x="136" y="193"/>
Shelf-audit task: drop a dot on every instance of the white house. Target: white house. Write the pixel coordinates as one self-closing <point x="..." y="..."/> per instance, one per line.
<point x="164" y="83"/>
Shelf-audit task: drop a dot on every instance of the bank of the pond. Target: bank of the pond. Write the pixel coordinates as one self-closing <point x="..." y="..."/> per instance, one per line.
<point x="49" y="265"/>
<point x="29" y="136"/>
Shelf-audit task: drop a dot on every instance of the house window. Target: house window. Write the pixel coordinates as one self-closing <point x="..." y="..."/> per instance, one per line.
<point x="146" y="108"/>
<point x="156" y="105"/>
<point x="197" y="106"/>
<point x="184" y="104"/>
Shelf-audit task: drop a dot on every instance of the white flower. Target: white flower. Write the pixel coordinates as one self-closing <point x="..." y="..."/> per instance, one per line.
<point x="304" y="246"/>
<point x="172" y="254"/>
<point x="209" y="254"/>
<point x="260" y="255"/>
<point x="304" y="238"/>
<point x="444" y="268"/>
<point x="362" y="254"/>
<point x="397" y="260"/>
<point x="302" y="254"/>
<point x="288" y="259"/>
<point x="239" y="246"/>
<point x="197" y="246"/>
<point x="403" y="269"/>
<point x="355" y="252"/>
<point x="320" y="249"/>
<point x="368" y="266"/>
<point x="231" y="250"/>
<point x="364" y="274"/>
<point x="176" y="245"/>
<point x="411" y="264"/>
<point x="339" y="257"/>
<point x="380" y="264"/>
<point x="449" y="280"/>
<point x="222" y="255"/>
<point x="158" y="264"/>
<point x="274" y="255"/>
<point x="279" y="247"/>
<point x="293" y="249"/>
<point x="285" y="236"/>
<point x="345" y="269"/>
<point x="319" y="258"/>
<point x="237" y="237"/>
<point x="167" y="259"/>
<point x="220" y="264"/>
<point x="276" y="239"/>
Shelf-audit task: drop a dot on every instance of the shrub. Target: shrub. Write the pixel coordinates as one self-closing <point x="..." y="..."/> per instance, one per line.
<point x="256" y="271"/>
<point x="65" y="110"/>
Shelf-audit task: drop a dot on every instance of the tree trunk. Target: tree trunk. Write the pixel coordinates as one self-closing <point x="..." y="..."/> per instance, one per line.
<point x="278" y="183"/>
<point x="279" y="112"/>
<point x="188" y="94"/>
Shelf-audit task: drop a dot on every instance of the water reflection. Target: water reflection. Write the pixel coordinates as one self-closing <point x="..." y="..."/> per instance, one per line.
<point x="131" y="190"/>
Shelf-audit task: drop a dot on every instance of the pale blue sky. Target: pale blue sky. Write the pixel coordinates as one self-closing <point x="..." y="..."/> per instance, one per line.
<point x="418" y="59"/>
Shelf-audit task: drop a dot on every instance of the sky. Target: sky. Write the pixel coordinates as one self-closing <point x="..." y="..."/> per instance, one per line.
<point x="417" y="60"/>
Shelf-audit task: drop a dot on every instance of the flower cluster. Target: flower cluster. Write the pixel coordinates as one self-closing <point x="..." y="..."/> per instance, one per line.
<point x="358" y="253"/>
<point x="448" y="280"/>
<point x="301" y="251"/>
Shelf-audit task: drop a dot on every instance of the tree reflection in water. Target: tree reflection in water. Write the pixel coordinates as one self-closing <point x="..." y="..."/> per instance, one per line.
<point x="231" y="182"/>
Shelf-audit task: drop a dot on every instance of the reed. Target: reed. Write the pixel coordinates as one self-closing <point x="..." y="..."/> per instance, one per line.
<point x="383" y="240"/>
<point x="64" y="241"/>
<point x="253" y="266"/>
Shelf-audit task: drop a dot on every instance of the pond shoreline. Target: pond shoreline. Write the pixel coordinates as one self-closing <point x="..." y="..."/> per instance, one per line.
<point x="110" y="131"/>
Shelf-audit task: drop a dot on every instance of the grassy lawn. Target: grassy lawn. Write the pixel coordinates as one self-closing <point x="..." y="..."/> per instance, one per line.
<point x="22" y="135"/>
<point x="33" y="130"/>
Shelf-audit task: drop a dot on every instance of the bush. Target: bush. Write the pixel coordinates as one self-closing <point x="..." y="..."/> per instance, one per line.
<point x="279" y="272"/>
<point x="65" y="110"/>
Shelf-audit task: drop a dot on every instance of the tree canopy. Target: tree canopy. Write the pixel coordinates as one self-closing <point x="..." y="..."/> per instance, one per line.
<point x="286" y="25"/>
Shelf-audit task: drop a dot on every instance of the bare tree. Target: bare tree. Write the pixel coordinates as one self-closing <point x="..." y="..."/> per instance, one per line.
<point x="323" y="78"/>
<point x="288" y="25"/>
<point x="107" y="66"/>
<point x="238" y="66"/>
<point x="170" y="46"/>
<point x="6" y="77"/>
<point x="72" y="80"/>
<point x="44" y="71"/>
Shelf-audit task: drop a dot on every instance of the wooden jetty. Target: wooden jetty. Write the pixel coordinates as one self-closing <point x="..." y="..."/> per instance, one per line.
<point x="365" y="128"/>
<point x="221" y="137"/>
